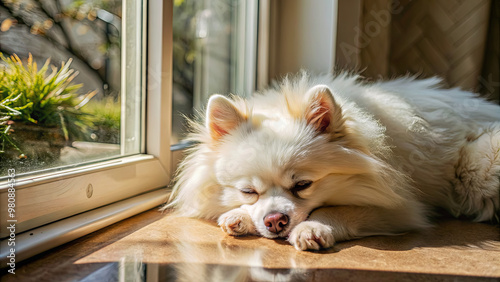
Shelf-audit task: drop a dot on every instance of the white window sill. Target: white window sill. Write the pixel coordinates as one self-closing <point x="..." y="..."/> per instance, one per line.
<point x="41" y="239"/>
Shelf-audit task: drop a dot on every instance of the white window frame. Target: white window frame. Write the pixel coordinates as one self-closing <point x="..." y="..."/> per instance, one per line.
<point x="55" y="208"/>
<point x="244" y="74"/>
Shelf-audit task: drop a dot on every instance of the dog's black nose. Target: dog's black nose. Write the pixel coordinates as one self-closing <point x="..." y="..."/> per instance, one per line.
<point x="275" y="222"/>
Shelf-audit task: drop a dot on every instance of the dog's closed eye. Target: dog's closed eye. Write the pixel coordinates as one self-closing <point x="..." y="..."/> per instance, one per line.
<point x="299" y="186"/>
<point x="249" y="191"/>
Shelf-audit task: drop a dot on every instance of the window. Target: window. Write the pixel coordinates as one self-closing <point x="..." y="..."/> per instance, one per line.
<point x="102" y="181"/>
<point x="214" y="51"/>
<point x="61" y="85"/>
<point x="62" y="201"/>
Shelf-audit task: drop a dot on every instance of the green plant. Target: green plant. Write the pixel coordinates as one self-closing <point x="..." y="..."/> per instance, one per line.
<point x="7" y="110"/>
<point x="105" y="115"/>
<point x="42" y="98"/>
<point x="60" y="23"/>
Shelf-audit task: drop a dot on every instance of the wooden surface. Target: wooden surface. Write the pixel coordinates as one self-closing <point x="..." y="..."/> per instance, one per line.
<point x="180" y="247"/>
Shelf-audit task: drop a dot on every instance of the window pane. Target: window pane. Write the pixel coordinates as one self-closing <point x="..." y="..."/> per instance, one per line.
<point x="214" y="52"/>
<point x="61" y="80"/>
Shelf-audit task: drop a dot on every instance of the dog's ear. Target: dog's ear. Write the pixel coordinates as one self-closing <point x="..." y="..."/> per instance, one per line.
<point x="222" y="116"/>
<point x="322" y="111"/>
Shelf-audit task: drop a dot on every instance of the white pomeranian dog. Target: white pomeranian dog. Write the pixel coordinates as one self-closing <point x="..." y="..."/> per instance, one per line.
<point x="321" y="160"/>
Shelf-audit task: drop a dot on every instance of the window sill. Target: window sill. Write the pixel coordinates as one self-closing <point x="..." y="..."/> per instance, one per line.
<point x="43" y="238"/>
<point x="42" y="199"/>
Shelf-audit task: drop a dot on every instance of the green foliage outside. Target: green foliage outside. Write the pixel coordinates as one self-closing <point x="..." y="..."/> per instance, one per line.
<point x="104" y="114"/>
<point x="7" y="111"/>
<point x="60" y="23"/>
<point x="43" y="97"/>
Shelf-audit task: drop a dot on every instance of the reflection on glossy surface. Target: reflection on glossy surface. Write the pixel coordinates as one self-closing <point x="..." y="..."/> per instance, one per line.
<point x="208" y="272"/>
<point x="155" y="247"/>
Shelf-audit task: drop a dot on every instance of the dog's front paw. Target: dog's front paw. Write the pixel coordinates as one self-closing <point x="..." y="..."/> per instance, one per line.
<point x="311" y="235"/>
<point x="236" y="222"/>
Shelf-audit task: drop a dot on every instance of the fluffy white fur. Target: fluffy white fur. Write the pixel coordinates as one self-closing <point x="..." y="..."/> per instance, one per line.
<point x="380" y="157"/>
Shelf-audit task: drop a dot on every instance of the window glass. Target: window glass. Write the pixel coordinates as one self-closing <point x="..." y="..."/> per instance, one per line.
<point x="62" y="93"/>
<point x="213" y="52"/>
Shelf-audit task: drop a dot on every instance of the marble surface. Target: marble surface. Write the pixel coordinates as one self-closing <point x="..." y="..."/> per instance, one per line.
<point x="158" y="247"/>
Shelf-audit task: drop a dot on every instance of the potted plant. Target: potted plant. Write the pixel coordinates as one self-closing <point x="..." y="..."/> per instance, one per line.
<point x="47" y="107"/>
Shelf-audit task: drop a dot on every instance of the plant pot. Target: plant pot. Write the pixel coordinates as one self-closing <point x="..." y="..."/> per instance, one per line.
<point x="36" y="142"/>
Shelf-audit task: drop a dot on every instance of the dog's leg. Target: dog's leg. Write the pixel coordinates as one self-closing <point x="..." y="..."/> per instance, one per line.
<point x="328" y="225"/>
<point x="477" y="173"/>
<point x="237" y="222"/>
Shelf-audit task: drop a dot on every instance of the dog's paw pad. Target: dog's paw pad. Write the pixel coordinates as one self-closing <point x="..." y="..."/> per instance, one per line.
<point x="310" y="235"/>
<point x="236" y="223"/>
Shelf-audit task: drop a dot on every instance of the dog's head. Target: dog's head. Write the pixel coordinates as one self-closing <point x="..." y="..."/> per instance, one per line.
<point x="273" y="161"/>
